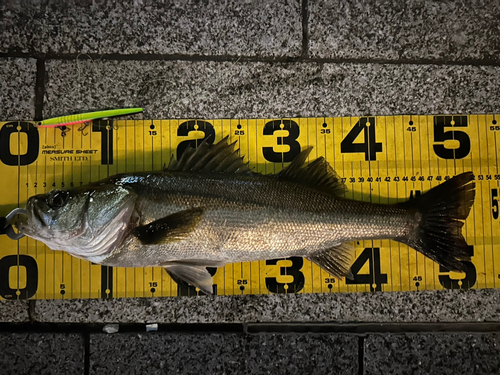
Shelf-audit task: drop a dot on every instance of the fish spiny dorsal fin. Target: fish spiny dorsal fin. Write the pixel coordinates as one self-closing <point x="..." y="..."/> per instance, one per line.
<point x="221" y="157"/>
<point x="318" y="174"/>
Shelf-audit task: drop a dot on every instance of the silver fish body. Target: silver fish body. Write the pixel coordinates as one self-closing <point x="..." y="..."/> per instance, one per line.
<point x="209" y="209"/>
<point x="248" y="218"/>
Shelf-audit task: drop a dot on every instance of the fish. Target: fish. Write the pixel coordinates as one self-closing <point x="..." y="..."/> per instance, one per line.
<point x="208" y="209"/>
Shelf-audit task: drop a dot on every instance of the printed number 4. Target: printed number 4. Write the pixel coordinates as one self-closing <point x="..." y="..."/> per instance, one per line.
<point x="369" y="147"/>
<point x="375" y="278"/>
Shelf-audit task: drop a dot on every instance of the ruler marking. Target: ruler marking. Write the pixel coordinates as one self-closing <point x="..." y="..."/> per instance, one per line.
<point x="489" y="192"/>
<point x="479" y="187"/>
<point x="397" y="200"/>
<point x="495" y="276"/>
<point x="388" y="194"/>
<point x="18" y="202"/>
<point x="248" y="148"/>
<point x="316" y="149"/>
<point x="485" y="167"/>
<point x="473" y="211"/>
<point x="413" y="175"/>
<point x="424" y="277"/>
<point x="430" y="186"/>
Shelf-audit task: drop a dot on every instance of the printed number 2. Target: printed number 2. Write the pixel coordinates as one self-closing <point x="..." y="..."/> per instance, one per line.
<point x="193" y="126"/>
<point x="184" y="289"/>
<point x="375" y="278"/>
<point x="369" y="147"/>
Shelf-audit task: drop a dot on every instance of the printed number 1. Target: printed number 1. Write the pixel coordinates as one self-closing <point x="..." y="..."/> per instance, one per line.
<point x="105" y="127"/>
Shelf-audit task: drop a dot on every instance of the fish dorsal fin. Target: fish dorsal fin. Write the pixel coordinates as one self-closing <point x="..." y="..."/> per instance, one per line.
<point x="221" y="157"/>
<point x="318" y="174"/>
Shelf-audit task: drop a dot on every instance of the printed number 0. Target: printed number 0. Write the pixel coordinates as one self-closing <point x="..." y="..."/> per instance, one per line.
<point x="33" y="143"/>
<point x="31" y="276"/>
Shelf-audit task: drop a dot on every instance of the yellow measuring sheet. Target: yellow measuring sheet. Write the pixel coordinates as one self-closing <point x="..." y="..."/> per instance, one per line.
<point x="382" y="159"/>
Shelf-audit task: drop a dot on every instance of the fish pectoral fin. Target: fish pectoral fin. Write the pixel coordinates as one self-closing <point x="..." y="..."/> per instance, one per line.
<point x="174" y="227"/>
<point x="197" y="276"/>
<point x="335" y="260"/>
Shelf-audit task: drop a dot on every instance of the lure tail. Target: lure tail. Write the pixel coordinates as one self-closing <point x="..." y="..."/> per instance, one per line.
<point x="439" y="217"/>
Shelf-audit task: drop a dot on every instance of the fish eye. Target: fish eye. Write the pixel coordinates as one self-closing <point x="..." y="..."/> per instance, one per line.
<point x="58" y="199"/>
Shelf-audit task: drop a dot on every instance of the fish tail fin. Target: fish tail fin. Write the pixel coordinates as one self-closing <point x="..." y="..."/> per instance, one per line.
<point x="440" y="213"/>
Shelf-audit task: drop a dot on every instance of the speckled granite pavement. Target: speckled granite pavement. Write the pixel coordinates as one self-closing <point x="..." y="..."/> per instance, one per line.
<point x="249" y="58"/>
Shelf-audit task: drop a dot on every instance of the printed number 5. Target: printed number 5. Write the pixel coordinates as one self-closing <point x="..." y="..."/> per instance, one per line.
<point x="460" y="152"/>
<point x="494" y="203"/>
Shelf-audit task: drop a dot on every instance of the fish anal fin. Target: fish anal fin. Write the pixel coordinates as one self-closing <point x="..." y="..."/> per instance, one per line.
<point x="174" y="227"/>
<point x="318" y="174"/>
<point x="197" y="276"/>
<point x="335" y="260"/>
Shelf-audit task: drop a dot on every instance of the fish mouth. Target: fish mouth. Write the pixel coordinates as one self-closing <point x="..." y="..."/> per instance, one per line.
<point x="35" y="220"/>
<point x="42" y="218"/>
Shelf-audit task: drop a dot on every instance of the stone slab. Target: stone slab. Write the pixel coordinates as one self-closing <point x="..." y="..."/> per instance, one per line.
<point x="201" y="89"/>
<point x="432" y="354"/>
<point x="208" y="28"/>
<point x="14" y="311"/>
<point x="393" y="307"/>
<point x="217" y="353"/>
<point x="446" y="31"/>
<point x="17" y="89"/>
<point x="41" y="353"/>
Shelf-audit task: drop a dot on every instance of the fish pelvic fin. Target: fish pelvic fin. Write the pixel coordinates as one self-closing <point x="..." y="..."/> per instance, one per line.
<point x="439" y="215"/>
<point x="171" y="228"/>
<point x="318" y="174"/>
<point x="197" y="276"/>
<point x="220" y="157"/>
<point x="335" y="260"/>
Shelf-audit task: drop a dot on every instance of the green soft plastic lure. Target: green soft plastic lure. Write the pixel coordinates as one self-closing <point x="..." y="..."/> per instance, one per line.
<point x="86" y="117"/>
